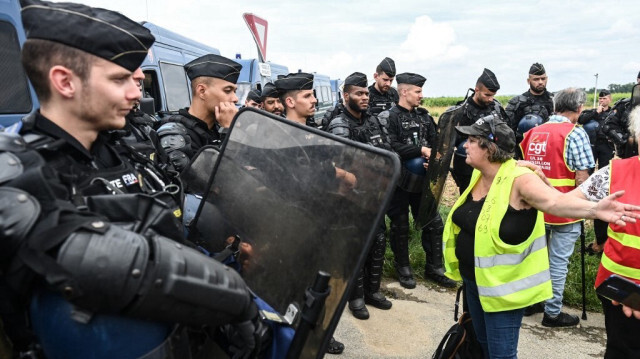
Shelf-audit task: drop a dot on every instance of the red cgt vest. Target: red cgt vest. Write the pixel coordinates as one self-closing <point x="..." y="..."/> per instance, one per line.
<point x="545" y="146"/>
<point x="622" y="250"/>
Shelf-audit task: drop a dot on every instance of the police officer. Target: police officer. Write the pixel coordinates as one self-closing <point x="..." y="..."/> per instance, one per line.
<point x="213" y="87"/>
<point x="80" y="236"/>
<point x="603" y="150"/>
<point x="616" y="127"/>
<point x="536" y="101"/>
<point x="481" y="104"/>
<point x="296" y="94"/>
<point x="381" y="95"/>
<point x="253" y="99"/>
<point x="355" y="123"/>
<point x="413" y="133"/>
<point x="270" y="99"/>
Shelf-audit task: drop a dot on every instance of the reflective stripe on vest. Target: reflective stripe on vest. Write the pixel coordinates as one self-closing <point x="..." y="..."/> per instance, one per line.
<point x="508" y="276"/>
<point x="545" y="146"/>
<point x="621" y="253"/>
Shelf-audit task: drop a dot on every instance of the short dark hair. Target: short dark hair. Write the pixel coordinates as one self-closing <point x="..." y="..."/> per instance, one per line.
<point x="39" y="56"/>
<point x="496" y="154"/>
<point x="199" y="80"/>
<point x="290" y="93"/>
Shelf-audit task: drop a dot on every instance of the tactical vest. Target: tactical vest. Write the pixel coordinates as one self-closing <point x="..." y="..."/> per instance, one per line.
<point x="621" y="254"/>
<point x="379" y="102"/>
<point x="373" y="132"/>
<point x="508" y="276"/>
<point x="417" y="127"/>
<point x="545" y="146"/>
<point x="529" y="105"/>
<point x="205" y="136"/>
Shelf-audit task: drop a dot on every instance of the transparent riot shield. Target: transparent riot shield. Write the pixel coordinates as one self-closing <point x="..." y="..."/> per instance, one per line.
<point x="439" y="164"/>
<point x="635" y="96"/>
<point x="302" y="201"/>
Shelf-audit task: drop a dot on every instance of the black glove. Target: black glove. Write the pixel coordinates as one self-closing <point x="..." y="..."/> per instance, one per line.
<point x="247" y="339"/>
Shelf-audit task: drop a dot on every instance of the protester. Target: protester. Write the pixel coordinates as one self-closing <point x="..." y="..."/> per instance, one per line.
<point x="495" y="239"/>
<point x="620" y="255"/>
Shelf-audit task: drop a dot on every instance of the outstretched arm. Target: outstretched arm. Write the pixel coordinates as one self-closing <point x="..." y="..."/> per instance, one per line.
<point x="546" y="199"/>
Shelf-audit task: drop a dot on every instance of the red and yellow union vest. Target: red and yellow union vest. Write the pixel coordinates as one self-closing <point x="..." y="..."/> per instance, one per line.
<point x="545" y="146"/>
<point x="622" y="250"/>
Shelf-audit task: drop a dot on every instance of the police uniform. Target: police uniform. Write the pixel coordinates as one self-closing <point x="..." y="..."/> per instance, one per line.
<point x="183" y="135"/>
<point x="84" y="232"/>
<point x="366" y="129"/>
<point x="409" y="131"/>
<point x="616" y="128"/>
<point x="469" y="114"/>
<point x="593" y="123"/>
<point x="528" y="103"/>
<point x="381" y="101"/>
<point x="254" y="95"/>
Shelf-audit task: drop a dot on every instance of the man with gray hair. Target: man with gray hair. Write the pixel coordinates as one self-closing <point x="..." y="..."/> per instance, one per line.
<point x="563" y="152"/>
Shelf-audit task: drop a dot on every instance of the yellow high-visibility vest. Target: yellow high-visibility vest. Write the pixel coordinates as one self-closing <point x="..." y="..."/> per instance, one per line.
<point x="508" y="276"/>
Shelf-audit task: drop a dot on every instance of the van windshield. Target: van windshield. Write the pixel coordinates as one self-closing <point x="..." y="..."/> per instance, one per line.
<point x="242" y="92"/>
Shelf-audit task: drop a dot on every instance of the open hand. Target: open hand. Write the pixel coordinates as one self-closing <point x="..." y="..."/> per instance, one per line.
<point x="609" y="209"/>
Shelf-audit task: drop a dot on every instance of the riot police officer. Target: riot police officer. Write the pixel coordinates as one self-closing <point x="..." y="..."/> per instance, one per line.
<point x="253" y="99"/>
<point x="213" y="87"/>
<point x="381" y="95"/>
<point x="481" y="104"/>
<point x="536" y="101"/>
<point x="85" y="245"/>
<point x="412" y="132"/>
<point x="593" y="121"/>
<point x="270" y="99"/>
<point x="616" y="128"/>
<point x="355" y="123"/>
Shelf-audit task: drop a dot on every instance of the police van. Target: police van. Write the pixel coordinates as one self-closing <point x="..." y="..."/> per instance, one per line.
<point x="17" y="97"/>
<point x="165" y="79"/>
<point x="336" y="91"/>
<point x="255" y="74"/>
<point x="323" y="93"/>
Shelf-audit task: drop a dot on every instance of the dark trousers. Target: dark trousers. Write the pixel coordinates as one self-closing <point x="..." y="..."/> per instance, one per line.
<point x="431" y="236"/>
<point x="622" y="332"/>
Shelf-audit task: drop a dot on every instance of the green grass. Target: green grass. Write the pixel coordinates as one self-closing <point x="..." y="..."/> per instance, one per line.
<point x="572" y="291"/>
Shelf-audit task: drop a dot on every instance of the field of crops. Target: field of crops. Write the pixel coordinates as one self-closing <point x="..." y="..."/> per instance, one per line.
<point x="437" y="105"/>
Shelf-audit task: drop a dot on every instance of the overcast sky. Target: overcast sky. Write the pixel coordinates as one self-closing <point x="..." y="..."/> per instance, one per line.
<point x="448" y="42"/>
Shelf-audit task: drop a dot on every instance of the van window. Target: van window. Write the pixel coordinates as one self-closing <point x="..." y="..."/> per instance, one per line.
<point x="176" y="88"/>
<point x="152" y="89"/>
<point x="326" y="97"/>
<point x="14" y="92"/>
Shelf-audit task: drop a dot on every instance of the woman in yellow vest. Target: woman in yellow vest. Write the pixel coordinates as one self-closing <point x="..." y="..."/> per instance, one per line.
<point x="494" y="236"/>
<point x="621" y="255"/>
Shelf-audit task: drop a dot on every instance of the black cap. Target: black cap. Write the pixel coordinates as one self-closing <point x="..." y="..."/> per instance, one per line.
<point x="254" y="95"/>
<point x="604" y="93"/>
<point x="214" y="66"/>
<point x="537" y="69"/>
<point x="411" y="79"/>
<point x="295" y="81"/>
<point x="388" y="66"/>
<point x="639" y="75"/>
<point x="356" y="79"/>
<point x="489" y="80"/>
<point x="103" y="33"/>
<point x="269" y="90"/>
<point x="500" y="133"/>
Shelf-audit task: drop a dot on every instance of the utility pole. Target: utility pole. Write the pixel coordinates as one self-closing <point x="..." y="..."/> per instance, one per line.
<point x="595" y="91"/>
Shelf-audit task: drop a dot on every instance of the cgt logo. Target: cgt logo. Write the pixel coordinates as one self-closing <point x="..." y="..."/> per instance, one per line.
<point x="538" y="144"/>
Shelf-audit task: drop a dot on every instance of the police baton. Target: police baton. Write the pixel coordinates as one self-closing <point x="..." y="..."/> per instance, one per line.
<point x="582" y="250"/>
<point x="315" y="297"/>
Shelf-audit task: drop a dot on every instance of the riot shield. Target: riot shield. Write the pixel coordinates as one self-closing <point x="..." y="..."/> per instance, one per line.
<point x="635" y="96"/>
<point x="302" y="201"/>
<point x="439" y="164"/>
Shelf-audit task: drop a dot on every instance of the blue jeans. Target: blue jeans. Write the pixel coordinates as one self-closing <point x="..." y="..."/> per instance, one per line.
<point x="562" y="241"/>
<point x="497" y="332"/>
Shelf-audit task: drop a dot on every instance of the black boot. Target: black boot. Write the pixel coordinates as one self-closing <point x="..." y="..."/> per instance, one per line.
<point x="399" y="237"/>
<point x="432" y="245"/>
<point x="356" y="300"/>
<point x="373" y="273"/>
